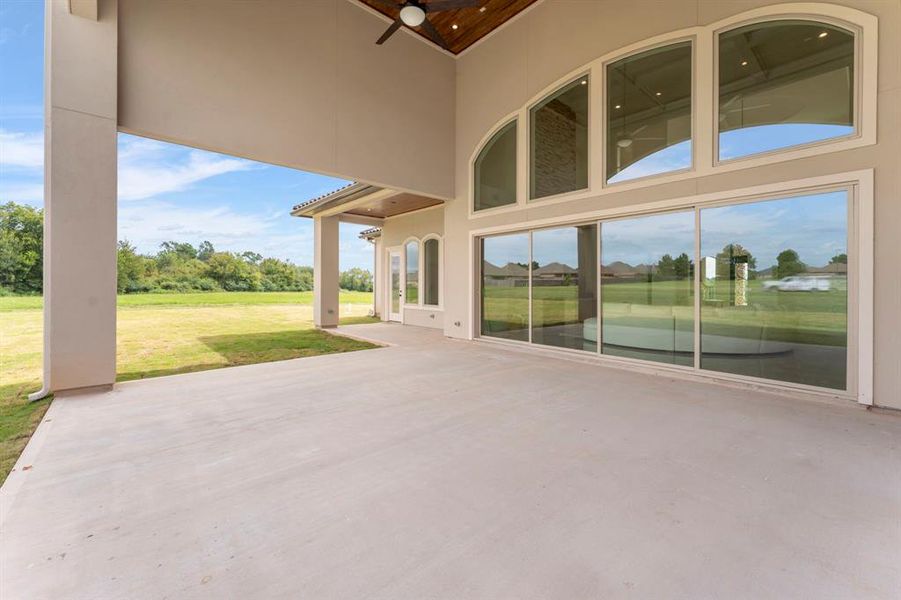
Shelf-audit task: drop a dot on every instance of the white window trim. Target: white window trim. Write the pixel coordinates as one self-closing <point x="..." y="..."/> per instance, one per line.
<point x="440" y="305"/>
<point x="705" y="102"/>
<point x="529" y="142"/>
<point x="413" y="240"/>
<point x="420" y="274"/>
<point x="860" y="279"/>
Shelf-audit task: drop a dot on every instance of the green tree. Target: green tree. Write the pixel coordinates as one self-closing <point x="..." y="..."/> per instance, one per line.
<point x="682" y="266"/>
<point x="356" y="279"/>
<point x="666" y="266"/>
<point x="21" y="248"/>
<point x="205" y="250"/>
<point x="839" y="259"/>
<point x="232" y="273"/>
<point x="253" y="258"/>
<point x="788" y="263"/>
<point x="129" y="268"/>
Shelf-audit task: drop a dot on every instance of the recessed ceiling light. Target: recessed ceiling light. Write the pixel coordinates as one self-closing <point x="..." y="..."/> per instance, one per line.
<point x="584" y="82"/>
<point x="482" y="9"/>
<point x="658" y="93"/>
<point x="454" y="26"/>
<point x="744" y="63"/>
<point x="617" y="106"/>
<point x="823" y="34"/>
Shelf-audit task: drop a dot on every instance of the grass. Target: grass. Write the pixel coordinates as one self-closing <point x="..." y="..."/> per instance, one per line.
<point x="798" y="317"/>
<point x="166" y="334"/>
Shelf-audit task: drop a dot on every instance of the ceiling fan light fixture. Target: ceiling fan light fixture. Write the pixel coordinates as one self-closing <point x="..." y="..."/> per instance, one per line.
<point x="624" y="142"/>
<point x="412" y="15"/>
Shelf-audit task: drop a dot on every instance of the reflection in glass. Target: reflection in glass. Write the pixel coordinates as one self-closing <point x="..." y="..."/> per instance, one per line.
<point x="412" y="279"/>
<point x="495" y="170"/>
<point x="649" y="113"/>
<point x="784" y="83"/>
<point x="505" y="286"/>
<point x="395" y="284"/>
<point x="774" y="289"/>
<point x="430" y="272"/>
<point x="647" y="288"/>
<point x="559" y="141"/>
<point x="564" y="287"/>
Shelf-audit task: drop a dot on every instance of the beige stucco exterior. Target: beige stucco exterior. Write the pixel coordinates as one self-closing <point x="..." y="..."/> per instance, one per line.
<point x="301" y="84"/>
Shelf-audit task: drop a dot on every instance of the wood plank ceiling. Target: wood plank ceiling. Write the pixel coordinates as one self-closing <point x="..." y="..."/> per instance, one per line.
<point x="472" y="23"/>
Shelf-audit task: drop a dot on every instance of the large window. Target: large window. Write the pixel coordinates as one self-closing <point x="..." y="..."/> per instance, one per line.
<point x="769" y="279"/>
<point x="782" y="84"/>
<point x="431" y="275"/>
<point x="495" y="170"/>
<point x="564" y="287"/>
<point x="505" y="286"/>
<point x="411" y="295"/>
<point x="559" y="141"/>
<point x="774" y="287"/>
<point x="647" y="288"/>
<point x="649" y="113"/>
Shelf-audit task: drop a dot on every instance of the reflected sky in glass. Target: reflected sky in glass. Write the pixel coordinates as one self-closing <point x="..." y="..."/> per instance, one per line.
<point x="499" y="250"/>
<point x="814" y="226"/>
<point x="754" y="140"/>
<point x="645" y="239"/>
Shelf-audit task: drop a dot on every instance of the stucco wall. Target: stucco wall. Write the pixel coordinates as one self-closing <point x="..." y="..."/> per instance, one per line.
<point x="395" y="232"/>
<point x="500" y="75"/>
<point x="299" y="84"/>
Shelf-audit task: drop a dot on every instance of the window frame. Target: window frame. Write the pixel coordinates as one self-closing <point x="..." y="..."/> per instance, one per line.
<point x="530" y="145"/>
<point x="692" y="40"/>
<point x="440" y="274"/>
<point x="407" y="242"/>
<point x="793" y="151"/>
<point x="705" y="106"/>
<point x="860" y="224"/>
<point x="482" y="146"/>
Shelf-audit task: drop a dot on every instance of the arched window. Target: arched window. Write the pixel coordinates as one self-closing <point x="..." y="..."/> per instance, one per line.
<point x="431" y="272"/>
<point x="649" y="113"/>
<point x="411" y="292"/>
<point x="495" y="170"/>
<point x="558" y="141"/>
<point x="784" y="83"/>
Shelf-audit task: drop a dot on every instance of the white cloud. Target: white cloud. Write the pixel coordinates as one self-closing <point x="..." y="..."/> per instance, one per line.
<point x="21" y="150"/>
<point x="147" y="168"/>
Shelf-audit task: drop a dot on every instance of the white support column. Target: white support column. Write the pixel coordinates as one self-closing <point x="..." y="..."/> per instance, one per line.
<point x="80" y="80"/>
<point x="325" y="271"/>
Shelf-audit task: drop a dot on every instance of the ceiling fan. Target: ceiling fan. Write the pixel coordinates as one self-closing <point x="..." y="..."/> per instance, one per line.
<point x="413" y="13"/>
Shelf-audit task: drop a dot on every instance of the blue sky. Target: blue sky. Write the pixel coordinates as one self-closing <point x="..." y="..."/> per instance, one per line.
<point x="166" y="192"/>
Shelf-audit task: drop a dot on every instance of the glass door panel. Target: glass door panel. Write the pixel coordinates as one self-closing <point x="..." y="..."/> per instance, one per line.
<point x="647" y="288"/>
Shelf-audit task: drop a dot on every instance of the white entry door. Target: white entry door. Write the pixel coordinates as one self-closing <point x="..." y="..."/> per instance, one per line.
<point x="396" y="273"/>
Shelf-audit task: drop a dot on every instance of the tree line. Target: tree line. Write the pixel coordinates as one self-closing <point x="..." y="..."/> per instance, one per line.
<point x="176" y="267"/>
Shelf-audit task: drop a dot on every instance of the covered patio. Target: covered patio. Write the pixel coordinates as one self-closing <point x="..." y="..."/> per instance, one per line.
<point x="438" y="468"/>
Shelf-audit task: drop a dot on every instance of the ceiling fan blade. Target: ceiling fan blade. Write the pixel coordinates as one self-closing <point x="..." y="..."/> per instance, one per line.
<point x="433" y="33"/>
<point x="639" y="130"/>
<point x="390" y="31"/>
<point x="450" y="4"/>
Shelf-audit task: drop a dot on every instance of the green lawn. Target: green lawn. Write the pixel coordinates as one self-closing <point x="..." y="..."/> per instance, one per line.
<point x="165" y="334"/>
<point x="799" y="317"/>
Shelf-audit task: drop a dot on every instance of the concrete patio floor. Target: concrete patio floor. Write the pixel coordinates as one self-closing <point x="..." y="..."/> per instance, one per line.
<point x="442" y="469"/>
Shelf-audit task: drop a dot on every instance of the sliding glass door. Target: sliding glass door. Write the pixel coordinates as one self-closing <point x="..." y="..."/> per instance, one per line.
<point x="505" y="287"/>
<point x="647" y="288"/>
<point x="759" y="289"/>
<point x="774" y="288"/>
<point x="564" y="287"/>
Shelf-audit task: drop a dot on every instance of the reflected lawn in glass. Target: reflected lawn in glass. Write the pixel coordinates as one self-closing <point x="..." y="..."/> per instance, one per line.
<point x="505" y="287"/>
<point x="564" y="287"/>
<point x="756" y="322"/>
<point x="647" y="290"/>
